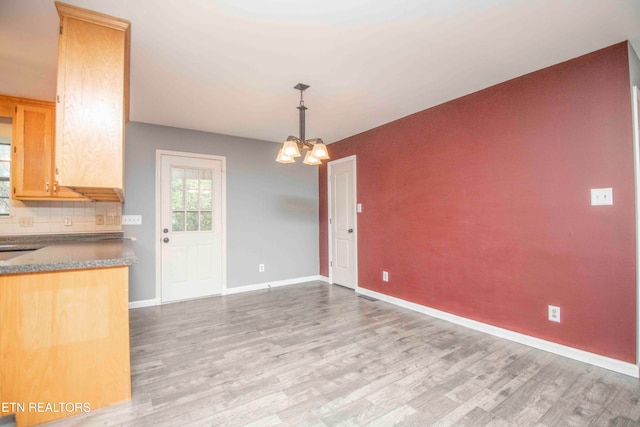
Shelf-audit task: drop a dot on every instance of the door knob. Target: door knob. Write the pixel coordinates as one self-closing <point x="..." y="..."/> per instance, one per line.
<point x="166" y="230"/>
<point x="351" y="230"/>
<point x="166" y="240"/>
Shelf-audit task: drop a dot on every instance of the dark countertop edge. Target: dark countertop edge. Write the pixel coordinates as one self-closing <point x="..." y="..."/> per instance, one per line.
<point x="36" y="241"/>
<point x="53" y="267"/>
<point x="128" y="258"/>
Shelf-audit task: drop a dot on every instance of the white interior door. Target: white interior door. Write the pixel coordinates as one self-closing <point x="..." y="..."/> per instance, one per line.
<point x="342" y="220"/>
<point x="635" y="94"/>
<point x="191" y="227"/>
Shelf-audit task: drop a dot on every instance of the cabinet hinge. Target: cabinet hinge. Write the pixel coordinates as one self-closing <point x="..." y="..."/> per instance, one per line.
<point x="58" y="99"/>
<point x="16" y="109"/>
<point x="60" y="29"/>
<point x="14" y="149"/>
<point x="330" y="263"/>
<point x="14" y="190"/>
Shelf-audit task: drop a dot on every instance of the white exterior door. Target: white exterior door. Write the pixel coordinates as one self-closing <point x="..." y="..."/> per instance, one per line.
<point x="191" y="228"/>
<point x="343" y="222"/>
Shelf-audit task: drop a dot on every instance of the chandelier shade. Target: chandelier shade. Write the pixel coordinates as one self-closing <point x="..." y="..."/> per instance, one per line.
<point x="290" y="148"/>
<point x="310" y="159"/>
<point x="283" y="158"/>
<point x="320" y="150"/>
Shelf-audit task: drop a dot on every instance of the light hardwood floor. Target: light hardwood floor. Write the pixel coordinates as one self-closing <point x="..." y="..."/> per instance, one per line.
<point x="319" y="355"/>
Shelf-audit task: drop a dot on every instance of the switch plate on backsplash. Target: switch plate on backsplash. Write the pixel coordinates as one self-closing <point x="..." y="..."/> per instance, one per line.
<point x="49" y="217"/>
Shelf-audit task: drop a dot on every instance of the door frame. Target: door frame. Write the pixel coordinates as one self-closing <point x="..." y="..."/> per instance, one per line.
<point x="635" y="111"/>
<point x="352" y="159"/>
<point x="158" y="219"/>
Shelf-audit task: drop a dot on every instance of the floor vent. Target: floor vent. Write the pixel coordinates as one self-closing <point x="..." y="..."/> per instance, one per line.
<point x="368" y="298"/>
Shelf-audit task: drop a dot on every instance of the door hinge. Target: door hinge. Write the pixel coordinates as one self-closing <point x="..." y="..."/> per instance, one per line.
<point x="330" y="263"/>
<point x="330" y="221"/>
<point x="60" y="29"/>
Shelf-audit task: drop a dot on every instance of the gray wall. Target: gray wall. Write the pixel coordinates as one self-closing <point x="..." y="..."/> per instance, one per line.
<point x="272" y="209"/>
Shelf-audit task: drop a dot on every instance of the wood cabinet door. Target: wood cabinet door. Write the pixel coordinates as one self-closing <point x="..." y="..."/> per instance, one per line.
<point x="32" y="150"/>
<point x="32" y="169"/>
<point x="64" y="338"/>
<point x="92" y="83"/>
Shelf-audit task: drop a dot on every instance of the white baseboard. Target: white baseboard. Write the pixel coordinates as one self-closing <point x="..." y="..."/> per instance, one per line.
<point x="559" y="349"/>
<point x="144" y="303"/>
<point x="267" y="285"/>
<point x="248" y="288"/>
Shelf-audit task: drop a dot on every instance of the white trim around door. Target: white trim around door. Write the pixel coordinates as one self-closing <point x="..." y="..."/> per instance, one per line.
<point x="158" y="218"/>
<point x="331" y="164"/>
<point x="635" y="99"/>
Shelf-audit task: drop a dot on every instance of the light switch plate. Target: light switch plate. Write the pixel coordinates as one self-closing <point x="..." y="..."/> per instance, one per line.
<point x="601" y="196"/>
<point x="131" y="219"/>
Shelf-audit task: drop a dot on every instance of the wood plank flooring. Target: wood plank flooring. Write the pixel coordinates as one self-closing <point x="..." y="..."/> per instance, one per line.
<point x="319" y="355"/>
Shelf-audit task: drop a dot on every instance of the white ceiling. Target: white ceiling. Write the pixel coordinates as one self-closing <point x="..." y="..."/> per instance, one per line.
<point x="229" y="66"/>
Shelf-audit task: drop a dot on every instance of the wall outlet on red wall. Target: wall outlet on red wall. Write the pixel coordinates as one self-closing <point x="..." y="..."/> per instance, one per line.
<point x="554" y="313"/>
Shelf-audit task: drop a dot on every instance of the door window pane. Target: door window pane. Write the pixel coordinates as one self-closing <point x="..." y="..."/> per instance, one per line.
<point x="205" y="220"/>
<point x="177" y="189"/>
<point x="191" y="199"/>
<point x="177" y="221"/>
<point x="205" y="200"/>
<point x="192" y="221"/>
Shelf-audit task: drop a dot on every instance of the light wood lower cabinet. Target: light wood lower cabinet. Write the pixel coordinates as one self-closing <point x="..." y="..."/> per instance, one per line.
<point x="64" y="342"/>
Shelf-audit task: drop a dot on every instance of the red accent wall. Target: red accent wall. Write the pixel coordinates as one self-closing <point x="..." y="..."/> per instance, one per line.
<point x="480" y="207"/>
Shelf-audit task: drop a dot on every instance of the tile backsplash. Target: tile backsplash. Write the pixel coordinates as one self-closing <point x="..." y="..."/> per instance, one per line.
<point x="42" y="217"/>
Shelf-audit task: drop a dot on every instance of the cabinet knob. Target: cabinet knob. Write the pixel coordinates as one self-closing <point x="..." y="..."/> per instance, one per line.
<point x="166" y="240"/>
<point x="166" y="230"/>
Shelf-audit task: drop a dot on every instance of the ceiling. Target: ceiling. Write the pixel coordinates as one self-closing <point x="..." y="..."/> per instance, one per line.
<point x="229" y="66"/>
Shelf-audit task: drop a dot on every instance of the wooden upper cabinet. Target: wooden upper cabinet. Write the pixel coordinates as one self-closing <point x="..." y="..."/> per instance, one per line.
<point x="32" y="150"/>
<point x="92" y="102"/>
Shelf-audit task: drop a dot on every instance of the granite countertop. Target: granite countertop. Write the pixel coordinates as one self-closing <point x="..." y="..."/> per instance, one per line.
<point x="65" y="252"/>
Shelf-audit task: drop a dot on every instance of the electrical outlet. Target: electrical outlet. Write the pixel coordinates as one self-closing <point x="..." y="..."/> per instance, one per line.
<point x="131" y="219"/>
<point x="99" y="219"/>
<point x="68" y="222"/>
<point x="601" y="196"/>
<point x="385" y="276"/>
<point x="26" y="221"/>
<point x="554" y="313"/>
<point x="261" y="268"/>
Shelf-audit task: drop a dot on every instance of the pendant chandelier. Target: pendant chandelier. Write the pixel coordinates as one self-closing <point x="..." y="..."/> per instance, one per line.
<point x="317" y="151"/>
